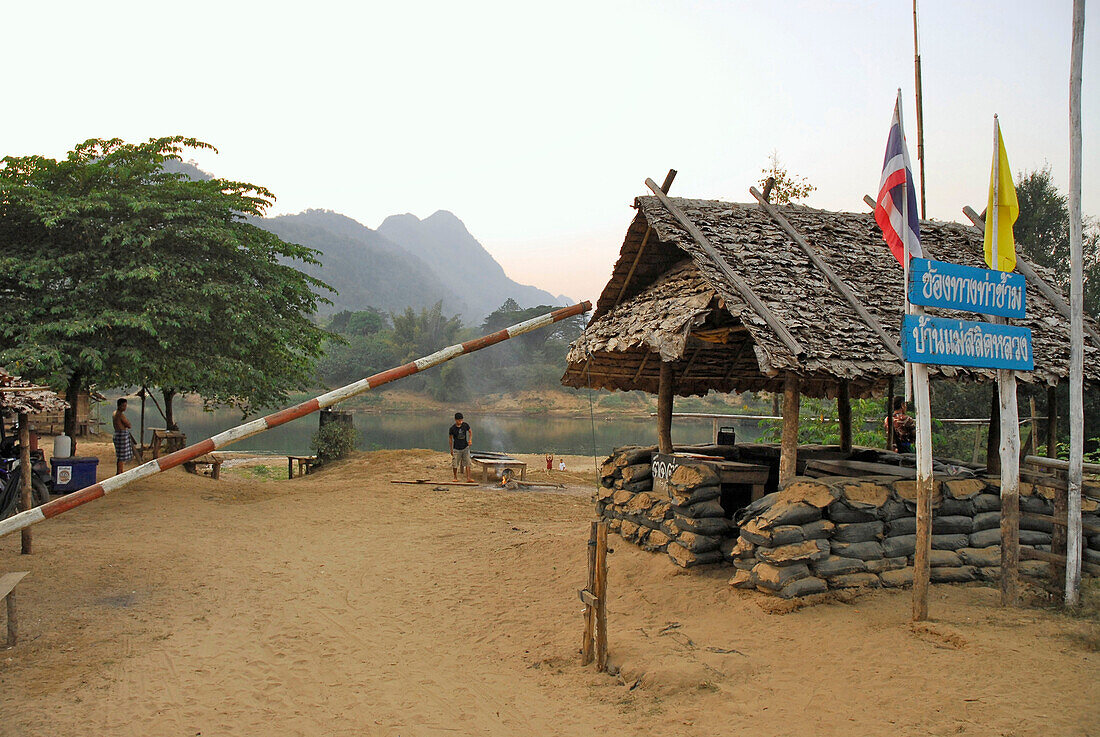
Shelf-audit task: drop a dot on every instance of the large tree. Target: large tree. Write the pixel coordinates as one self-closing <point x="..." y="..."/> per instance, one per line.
<point x="119" y="272"/>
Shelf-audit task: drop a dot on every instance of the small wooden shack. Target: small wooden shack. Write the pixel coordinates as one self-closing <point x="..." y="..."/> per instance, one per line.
<point x="710" y="295"/>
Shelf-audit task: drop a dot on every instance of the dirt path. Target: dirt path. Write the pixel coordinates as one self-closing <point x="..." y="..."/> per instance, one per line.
<point x="341" y="604"/>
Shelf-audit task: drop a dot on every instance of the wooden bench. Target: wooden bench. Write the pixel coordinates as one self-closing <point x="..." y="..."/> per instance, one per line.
<point x="207" y="462"/>
<point x="497" y="464"/>
<point x="7" y="591"/>
<point x="167" y="441"/>
<point x="306" y="464"/>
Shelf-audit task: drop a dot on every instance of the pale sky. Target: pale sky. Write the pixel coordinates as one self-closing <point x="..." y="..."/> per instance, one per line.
<point x="537" y="124"/>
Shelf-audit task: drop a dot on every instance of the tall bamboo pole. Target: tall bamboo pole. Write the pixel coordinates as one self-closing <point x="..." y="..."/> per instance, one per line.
<point x="1077" y="338"/>
<point x="920" y="107"/>
<point x="255" y="427"/>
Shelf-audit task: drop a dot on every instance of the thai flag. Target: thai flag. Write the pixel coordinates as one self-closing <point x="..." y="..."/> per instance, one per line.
<point x="897" y="182"/>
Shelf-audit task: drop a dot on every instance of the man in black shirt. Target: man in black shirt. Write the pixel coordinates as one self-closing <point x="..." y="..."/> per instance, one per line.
<point x="461" y="437"/>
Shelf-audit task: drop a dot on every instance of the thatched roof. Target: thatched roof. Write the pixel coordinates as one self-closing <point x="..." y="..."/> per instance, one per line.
<point x="668" y="299"/>
<point x="31" y="399"/>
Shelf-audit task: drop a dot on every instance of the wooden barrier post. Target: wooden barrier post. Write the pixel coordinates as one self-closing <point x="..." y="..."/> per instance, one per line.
<point x="601" y="596"/>
<point x="589" y="605"/>
<point x="26" y="495"/>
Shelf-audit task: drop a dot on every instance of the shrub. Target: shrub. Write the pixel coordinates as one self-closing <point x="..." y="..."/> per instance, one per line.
<point x="333" y="441"/>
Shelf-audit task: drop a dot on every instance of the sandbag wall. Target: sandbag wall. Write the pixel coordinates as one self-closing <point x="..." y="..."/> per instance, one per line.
<point x="687" y="521"/>
<point x="832" y="533"/>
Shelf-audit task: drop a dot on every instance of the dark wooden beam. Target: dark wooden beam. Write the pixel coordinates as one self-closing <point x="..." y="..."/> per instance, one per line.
<point x="844" y="412"/>
<point x="665" y="391"/>
<point x="788" y="451"/>
<point x="645" y="239"/>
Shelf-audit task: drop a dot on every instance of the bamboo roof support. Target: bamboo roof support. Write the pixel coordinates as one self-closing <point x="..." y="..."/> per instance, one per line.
<point x="648" y="232"/>
<point x="827" y="270"/>
<point x="740" y="284"/>
<point x="641" y="367"/>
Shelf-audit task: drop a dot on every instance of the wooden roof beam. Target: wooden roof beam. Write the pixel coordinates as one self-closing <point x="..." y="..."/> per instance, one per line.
<point x="648" y="231"/>
<point x="827" y="270"/>
<point x="739" y="284"/>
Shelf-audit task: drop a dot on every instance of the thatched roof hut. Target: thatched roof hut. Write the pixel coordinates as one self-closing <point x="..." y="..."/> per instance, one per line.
<point x="668" y="301"/>
<point x="24" y="397"/>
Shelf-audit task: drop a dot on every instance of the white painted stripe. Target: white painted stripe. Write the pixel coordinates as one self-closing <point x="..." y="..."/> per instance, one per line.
<point x="344" y="392"/>
<point x="240" y="432"/>
<point x="21" y="520"/>
<point x="533" y="324"/>
<point x="438" y="357"/>
<point x="134" y="474"/>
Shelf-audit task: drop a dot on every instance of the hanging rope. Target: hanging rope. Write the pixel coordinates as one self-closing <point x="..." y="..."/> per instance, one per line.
<point x="592" y="415"/>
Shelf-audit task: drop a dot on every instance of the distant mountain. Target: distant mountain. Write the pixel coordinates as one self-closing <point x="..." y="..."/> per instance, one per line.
<point x="365" y="268"/>
<point x="407" y="262"/>
<point x="461" y="262"/>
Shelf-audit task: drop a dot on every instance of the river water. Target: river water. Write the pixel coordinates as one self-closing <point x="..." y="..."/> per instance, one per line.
<point x="507" y="433"/>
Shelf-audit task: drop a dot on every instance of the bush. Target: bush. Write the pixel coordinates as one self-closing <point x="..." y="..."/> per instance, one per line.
<point x="333" y="441"/>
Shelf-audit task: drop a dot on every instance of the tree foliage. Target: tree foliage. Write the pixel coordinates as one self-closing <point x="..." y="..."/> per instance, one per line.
<point x="788" y="187"/>
<point x="119" y="273"/>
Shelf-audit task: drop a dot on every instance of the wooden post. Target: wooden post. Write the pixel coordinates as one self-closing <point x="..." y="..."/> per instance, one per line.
<point x="844" y="412"/>
<point x="1010" y="488"/>
<point x="993" y="441"/>
<point x="13" y="621"/>
<point x="26" y="495"/>
<point x="141" y="433"/>
<point x="923" y="553"/>
<point x="665" y="390"/>
<point x="1033" y="433"/>
<point x="1052" y="422"/>
<point x="589" y="609"/>
<point x="601" y="596"/>
<point x="788" y="452"/>
<point x="890" y="417"/>
<point x="1076" y="323"/>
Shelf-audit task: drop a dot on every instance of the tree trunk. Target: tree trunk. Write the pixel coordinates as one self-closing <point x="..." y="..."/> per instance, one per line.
<point x="993" y="444"/>
<point x="169" y="421"/>
<point x="72" y="393"/>
<point x="775" y="404"/>
<point x="26" y="498"/>
<point x="788" y="451"/>
<point x="665" y="391"/>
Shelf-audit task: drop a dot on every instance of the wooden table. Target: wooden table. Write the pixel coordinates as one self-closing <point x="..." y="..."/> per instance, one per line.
<point x="305" y="465"/>
<point x="750" y="474"/>
<point x="210" y="460"/>
<point x="498" y="463"/>
<point x="167" y="440"/>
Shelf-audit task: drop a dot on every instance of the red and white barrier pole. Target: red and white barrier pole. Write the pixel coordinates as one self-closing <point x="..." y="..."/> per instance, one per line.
<point x="255" y="427"/>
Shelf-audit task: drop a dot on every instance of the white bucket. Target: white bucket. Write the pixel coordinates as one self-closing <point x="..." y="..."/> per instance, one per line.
<point x="62" y="446"/>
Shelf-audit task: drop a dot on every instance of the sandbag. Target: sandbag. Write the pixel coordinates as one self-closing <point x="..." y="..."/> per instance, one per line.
<point x="897" y="579"/>
<point x="716" y="526"/>
<point x="802" y="587"/>
<point x="990" y="573"/>
<point x="1036" y="505"/>
<point x="981" y="557"/>
<point x="645" y="484"/>
<point x="822" y="528"/>
<point x="629" y="530"/>
<point x="685" y="558"/>
<point x="836" y="565"/>
<point x="691" y="475"/>
<point x="902" y="526"/>
<point x="808" y="550"/>
<point x="773" y="578"/>
<point x="887" y="564"/>
<point x="841" y="512"/>
<point x="695" y="496"/>
<point x="900" y="545"/>
<point x="950" y="542"/>
<point x="728" y="546"/>
<point x="952" y="525"/>
<point x="986" y="503"/>
<point x="855" y="581"/>
<point x="987" y="521"/>
<point x="955" y="507"/>
<point x="1039" y="525"/>
<point x="614" y="524"/>
<point x="944" y="559"/>
<point x="709" y="508"/>
<point x="742" y="548"/>
<point x="1094" y="541"/>
<point x="1033" y="537"/>
<point x="961" y="574"/>
<point x="755" y="508"/>
<point x="637" y="472"/>
<point x="863" y="551"/>
<point x="893" y="509"/>
<point x="644" y="521"/>
<point x="743" y="580"/>
<point x="985" y="538"/>
<point x="797" y="513"/>
<point x="745" y="564"/>
<point x="858" y="532"/>
<point x="698" y="543"/>
<point x="963" y="489"/>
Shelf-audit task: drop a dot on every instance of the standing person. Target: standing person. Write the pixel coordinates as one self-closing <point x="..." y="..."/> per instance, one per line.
<point x="905" y="427"/>
<point x="124" y="448"/>
<point x="460" y="437"/>
<point x="549" y="462"/>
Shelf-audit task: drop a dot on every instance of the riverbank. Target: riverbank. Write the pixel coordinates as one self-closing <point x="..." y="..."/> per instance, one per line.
<point x="342" y="604"/>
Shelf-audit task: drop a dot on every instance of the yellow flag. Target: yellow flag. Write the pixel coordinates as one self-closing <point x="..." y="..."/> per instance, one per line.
<point x="1008" y="209"/>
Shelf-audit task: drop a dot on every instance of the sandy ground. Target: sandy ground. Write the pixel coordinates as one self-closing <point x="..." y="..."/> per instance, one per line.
<point x="342" y="604"/>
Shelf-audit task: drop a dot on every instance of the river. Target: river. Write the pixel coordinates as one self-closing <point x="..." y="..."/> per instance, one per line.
<point x="397" y="430"/>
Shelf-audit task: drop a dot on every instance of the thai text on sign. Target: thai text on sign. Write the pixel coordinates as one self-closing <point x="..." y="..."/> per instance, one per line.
<point x="926" y="339"/>
<point x="956" y="287"/>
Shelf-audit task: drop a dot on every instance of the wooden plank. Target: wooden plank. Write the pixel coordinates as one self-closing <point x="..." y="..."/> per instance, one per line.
<point x="600" y="591"/>
<point x="588" y="640"/>
<point x="436" y="483"/>
<point x="645" y="239"/>
<point x="9" y="581"/>
<point x="860" y="468"/>
<point x="739" y="284"/>
<point x="1061" y="465"/>
<point x="839" y="284"/>
<point x="1058" y="521"/>
<point x="1028" y="553"/>
<point x="788" y="451"/>
<point x="587" y="597"/>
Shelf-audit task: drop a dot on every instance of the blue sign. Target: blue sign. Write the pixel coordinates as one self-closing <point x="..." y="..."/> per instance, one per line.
<point x="956" y="287"/>
<point x="926" y="339"/>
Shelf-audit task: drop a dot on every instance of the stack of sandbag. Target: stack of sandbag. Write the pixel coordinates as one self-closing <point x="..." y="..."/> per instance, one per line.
<point x="837" y="532"/>
<point x="687" y="522"/>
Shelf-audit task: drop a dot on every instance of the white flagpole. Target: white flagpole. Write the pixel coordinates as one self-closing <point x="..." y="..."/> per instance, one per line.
<point x="1010" y="426"/>
<point x="1077" y="338"/>
<point x="907" y="308"/>
<point x="919" y="388"/>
